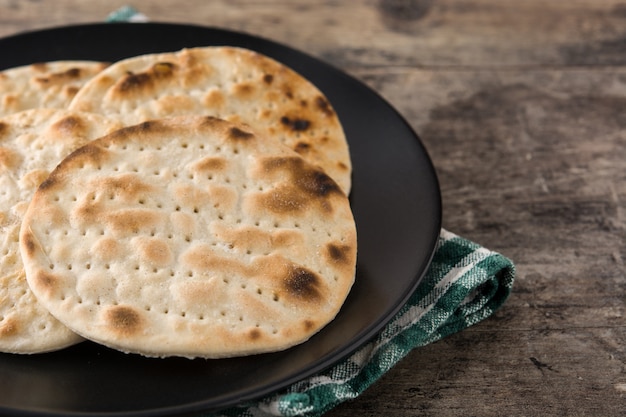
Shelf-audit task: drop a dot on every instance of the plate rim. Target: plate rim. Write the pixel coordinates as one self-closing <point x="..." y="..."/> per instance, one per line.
<point x="318" y="366"/>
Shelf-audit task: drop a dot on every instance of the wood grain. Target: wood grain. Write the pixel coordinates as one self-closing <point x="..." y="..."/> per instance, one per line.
<point x="532" y="163"/>
<point x="522" y="107"/>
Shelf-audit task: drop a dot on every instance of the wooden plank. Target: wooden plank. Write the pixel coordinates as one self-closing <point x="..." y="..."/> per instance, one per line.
<point x="521" y="106"/>
<point x="485" y="372"/>
<point x="532" y="164"/>
<point x="425" y="33"/>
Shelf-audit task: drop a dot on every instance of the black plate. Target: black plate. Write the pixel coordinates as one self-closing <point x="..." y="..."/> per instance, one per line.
<point x="397" y="206"/>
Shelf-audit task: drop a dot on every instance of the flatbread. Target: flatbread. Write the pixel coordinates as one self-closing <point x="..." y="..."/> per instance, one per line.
<point x="32" y="142"/>
<point x="235" y="84"/>
<point x="44" y="85"/>
<point x="190" y="237"/>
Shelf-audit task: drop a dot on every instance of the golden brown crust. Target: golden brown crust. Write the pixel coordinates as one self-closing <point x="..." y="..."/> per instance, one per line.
<point x="172" y="246"/>
<point x="32" y="142"/>
<point x="44" y="85"/>
<point x="232" y="83"/>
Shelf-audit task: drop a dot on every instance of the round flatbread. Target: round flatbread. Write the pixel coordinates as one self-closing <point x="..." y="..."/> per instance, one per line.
<point x="44" y="85"/>
<point x="32" y="142"/>
<point x="190" y="237"/>
<point x="235" y="84"/>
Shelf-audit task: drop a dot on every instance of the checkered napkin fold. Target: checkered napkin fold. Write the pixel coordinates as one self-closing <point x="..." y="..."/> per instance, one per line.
<point x="464" y="284"/>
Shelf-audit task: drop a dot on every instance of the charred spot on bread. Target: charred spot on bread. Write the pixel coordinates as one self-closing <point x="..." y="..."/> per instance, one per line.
<point x="302" y="284"/>
<point x="134" y="81"/>
<point x="70" y="125"/>
<point x="123" y="319"/>
<point x="143" y="80"/>
<point x="46" y="283"/>
<point x="317" y="183"/>
<point x="8" y="158"/>
<point x="254" y="334"/>
<point x="28" y="242"/>
<point x="324" y="106"/>
<point x="302" y="147"/>
<point x="338" y="253"/>
<point x="131" y="221"/>
<point x="309" y="180"/>
<point x="238" y="134"/>
<point x="9" y="327"/>
<point x="59" y="77"/>
<point x="49" y="182"/>
<point x="307" y="185"/>
<point x="296" y="124"/>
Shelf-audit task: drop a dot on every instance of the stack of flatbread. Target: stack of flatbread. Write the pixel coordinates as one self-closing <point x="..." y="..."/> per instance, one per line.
<point x="191" y="204"/>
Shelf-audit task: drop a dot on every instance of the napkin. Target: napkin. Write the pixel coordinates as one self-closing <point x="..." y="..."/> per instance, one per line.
<point x="464" y="284"/>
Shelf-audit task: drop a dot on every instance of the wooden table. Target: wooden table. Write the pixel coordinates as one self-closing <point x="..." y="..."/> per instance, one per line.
<point x="522" y="106"/>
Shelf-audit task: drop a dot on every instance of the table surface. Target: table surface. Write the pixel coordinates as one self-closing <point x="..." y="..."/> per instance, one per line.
<point x="522" y="107"/>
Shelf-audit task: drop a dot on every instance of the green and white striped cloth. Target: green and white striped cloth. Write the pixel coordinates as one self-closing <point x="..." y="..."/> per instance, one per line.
<point x="126" y="14"/>
<point x="464" y="284"/>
